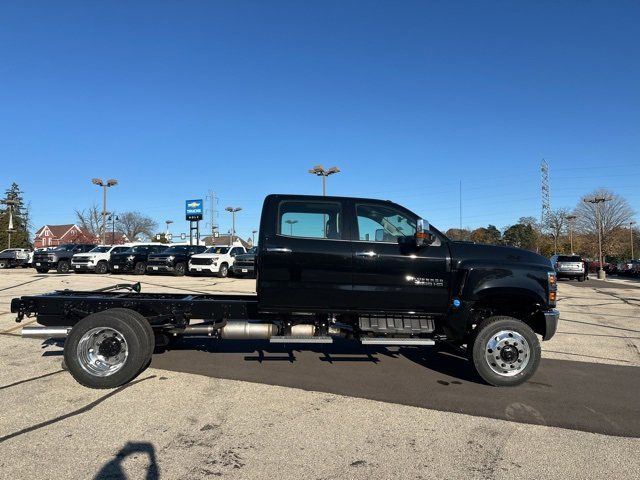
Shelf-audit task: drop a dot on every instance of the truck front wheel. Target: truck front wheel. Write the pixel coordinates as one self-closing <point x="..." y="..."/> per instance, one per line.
<point x="108" y="349"/>
<point x="505" y="351"/>
<point x="63" y="266"/>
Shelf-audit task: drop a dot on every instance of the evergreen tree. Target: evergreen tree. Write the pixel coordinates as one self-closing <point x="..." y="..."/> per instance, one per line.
<point x="20" y="215"/>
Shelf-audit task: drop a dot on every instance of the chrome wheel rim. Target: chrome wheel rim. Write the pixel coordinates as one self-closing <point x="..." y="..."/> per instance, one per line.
<point x="507" y="353"/>
<point x="102" y="351"/>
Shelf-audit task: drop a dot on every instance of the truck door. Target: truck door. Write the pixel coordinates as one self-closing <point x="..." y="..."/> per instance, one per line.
<point x="306" y="262"/>
<point x="390" y="277"/>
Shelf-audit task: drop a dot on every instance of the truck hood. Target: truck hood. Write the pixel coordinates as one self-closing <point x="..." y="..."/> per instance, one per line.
<point x="466" y="252"/>
<point x="207" y="255"/>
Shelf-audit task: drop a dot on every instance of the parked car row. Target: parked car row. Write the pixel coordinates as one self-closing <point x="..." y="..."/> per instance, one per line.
<point x="146" y="258"/>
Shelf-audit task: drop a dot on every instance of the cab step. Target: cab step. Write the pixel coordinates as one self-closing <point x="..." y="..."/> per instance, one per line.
<point x="300" y="339"/>
<point x="397" y="341"/>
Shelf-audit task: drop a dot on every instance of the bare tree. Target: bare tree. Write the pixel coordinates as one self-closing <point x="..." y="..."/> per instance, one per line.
<point x="133" y="224"/>
<point x="556" y="222"/>
<point x="614" y="214"/>
<point x="90" y="220"/>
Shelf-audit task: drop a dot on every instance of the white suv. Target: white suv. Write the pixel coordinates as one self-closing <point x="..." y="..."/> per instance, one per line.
<point x="216" y="260"/>
<point x="97" y="259"/>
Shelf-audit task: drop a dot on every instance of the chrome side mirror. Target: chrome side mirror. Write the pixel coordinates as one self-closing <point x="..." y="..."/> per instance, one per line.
<point x="424" y="236"/>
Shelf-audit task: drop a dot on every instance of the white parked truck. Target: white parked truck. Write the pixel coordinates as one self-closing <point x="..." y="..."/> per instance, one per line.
<point x="96" y="259"/>
<point x="215" y="260"/>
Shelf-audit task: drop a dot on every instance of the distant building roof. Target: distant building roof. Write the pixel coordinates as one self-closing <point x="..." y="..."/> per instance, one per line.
<point x="57" y="231"/>
<point x="223" y="240"/>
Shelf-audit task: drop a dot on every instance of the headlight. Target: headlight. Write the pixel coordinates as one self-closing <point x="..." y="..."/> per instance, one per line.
<point x="130" y="258"/>
<point x="170" y="258"/>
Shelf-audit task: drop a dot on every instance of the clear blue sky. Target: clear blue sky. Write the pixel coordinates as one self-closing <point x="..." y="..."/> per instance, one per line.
<point x="174" y="98"/>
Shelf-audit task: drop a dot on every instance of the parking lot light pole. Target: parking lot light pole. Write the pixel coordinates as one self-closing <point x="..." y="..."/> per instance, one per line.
<point x="631" y="224"/>
<point x="321" y="172"/>
<point x="10" y="229"/>
<point x="291" y="223"/>
<point x="253" y="237"/>
<point x="571" y="219"/>
<point x="109" y="183"/>
<point x="113" y="218"/>
<point x="596" y="201"/>
<point x="233" y="211"/>
<point x="167" y="222"/>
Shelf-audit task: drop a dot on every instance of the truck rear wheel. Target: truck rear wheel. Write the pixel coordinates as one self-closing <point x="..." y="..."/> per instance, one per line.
<point x="140" y="268"/>
<point x="505" y="351"/>
<point x="109" y="348"/>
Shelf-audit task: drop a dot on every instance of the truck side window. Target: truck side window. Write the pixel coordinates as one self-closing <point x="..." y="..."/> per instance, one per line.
<point x="321" y="220"/>
<point x="380" y="223"/>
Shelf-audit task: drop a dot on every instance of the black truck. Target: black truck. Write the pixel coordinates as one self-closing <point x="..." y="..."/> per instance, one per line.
<point x="59" y="258"/>
<point x="173" y="260"/>
<point x="134" y="260"/>
<point x="327" y="267"/>
<point x="245" y="264"/>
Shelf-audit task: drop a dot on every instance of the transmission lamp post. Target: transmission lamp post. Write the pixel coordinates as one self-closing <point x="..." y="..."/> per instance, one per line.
<point x="233" y="211"/>
<point x="109" y="183"/>
<point x="631" y="224"/>
<point x="571" y="219"/>
<point x="596" y="201"/>
<point x="321" y="172"/>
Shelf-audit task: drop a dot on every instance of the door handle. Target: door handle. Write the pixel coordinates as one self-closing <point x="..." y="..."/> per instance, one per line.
<point x="278" y="250"/>
<point x="369" y="254"/>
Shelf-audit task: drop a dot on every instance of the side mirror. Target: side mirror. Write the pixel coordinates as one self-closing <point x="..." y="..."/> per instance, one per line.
<point x="424" y="236"/>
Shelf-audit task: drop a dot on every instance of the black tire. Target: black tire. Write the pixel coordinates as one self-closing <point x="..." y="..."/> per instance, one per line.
<point x="102" y="267"/>
<point x="42" y="270"/>
<point x="581" y="279"/>
<point x="63" y="266"/>
<point x="486" y="332"/>
<point x="3" y="264"/>
<point x="180" y="269"/>
<point x="140" y="268"/>
<point x="137" y="318"/>
<point x="127" y="324"/>
<point x="223" y="271"/>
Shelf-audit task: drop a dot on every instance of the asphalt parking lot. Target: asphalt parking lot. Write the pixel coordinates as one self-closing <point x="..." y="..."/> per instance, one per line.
<point x="252" y="410"/>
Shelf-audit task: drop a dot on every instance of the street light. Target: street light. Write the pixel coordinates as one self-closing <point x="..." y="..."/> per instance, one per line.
<point x="631" y="224"/>
<point x="321" y="172"/>
<point x="571" y="219"/>
<point x="109" y="183"/>
<point x="253" y="237"/>
<point x="291" y="223"/>
<point x="233" y="211"/>
<point x="597" y="201"/>
<point x="167" y="222"/>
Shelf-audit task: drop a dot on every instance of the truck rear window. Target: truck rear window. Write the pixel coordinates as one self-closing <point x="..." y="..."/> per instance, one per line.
<point x="311" y="220"/>
<point x="567" y="258"/>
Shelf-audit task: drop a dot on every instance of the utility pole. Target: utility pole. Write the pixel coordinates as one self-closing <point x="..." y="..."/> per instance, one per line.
<point x="596" y="201"/>
<point x="321" y="172"/>
<point x="233" y="211"/>
<point x="109" y="183"/>
<point x="253" y="237"/>
<point x="213" y="211"/>
<point x="570" y="220"/>
<point x="631" y="224"/>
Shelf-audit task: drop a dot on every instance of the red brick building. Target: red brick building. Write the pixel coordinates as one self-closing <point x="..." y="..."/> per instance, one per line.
<point x="54" y="235"/>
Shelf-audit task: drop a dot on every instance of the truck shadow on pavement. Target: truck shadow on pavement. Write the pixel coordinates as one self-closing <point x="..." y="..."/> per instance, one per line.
<point x="114" y="469"/>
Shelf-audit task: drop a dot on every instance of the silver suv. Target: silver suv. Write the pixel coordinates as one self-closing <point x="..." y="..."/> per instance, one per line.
<point x="569" y="266"/>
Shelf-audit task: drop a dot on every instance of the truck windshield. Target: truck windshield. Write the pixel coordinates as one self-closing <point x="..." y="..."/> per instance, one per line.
<point x="102" y="249"/>
<point x="217" y="250"/>
<point x="181" y="249"/>
<point x="64" y="248"/>
<point x="137" y="249"/>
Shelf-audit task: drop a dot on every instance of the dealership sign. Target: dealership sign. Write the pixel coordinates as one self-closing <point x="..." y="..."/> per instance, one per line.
<point x="193" y="209"/>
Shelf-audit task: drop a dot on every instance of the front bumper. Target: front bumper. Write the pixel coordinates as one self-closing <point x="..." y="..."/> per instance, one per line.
<point x="574" y="274"/>
<point x="204" y="269"/>
<point x="44" y="264"/>
<point x="121" y="267"/>
<point x="244" y="269"/>
<point x="551" y="318"/>
<point x="83" y="267"/>
<point x="160" y="268"/>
